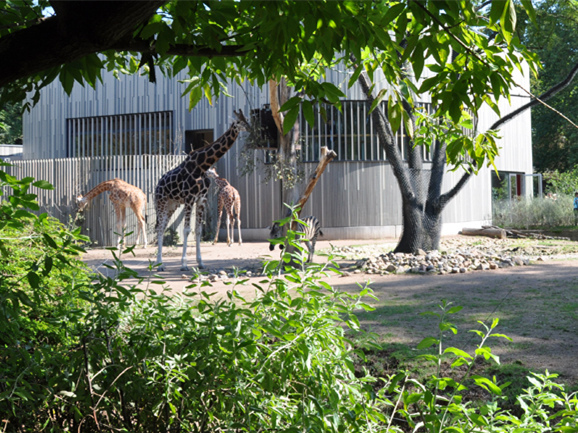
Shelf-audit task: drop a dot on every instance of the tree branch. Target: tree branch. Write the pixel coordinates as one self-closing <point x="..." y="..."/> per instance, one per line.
<point x="540" y="100"/>
<point x="82" y="28"/>
<point x="387" y="141"/>
<point x="274" y="104"/>
<point x="448" y="196"/>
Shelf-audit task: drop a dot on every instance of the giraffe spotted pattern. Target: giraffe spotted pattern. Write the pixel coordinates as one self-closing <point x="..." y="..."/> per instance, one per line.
<point x="230" y="200"/>
<point x="188" y="184"/>
<point x="122" y="195"/>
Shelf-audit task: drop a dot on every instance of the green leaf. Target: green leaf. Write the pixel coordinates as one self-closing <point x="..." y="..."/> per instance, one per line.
<point x="487" y="384"/>
<point x="332" y="92"/>
<point x="394" y="115"/>
<point x="458" y="352"/>
<point x="293" y="102"/>
<point x="290" y="119"/>
<point x="42" y="184"/>
<point x="509" y="20"/>
<point x="497" y="11"/>
<point x="33" y="279"/>
<point x="195" y="96"/>
<point x="454" y="310"/>
<point x="307" y="109"/>
<point x="67" y="81"/>
<point x="529" y="8"/>
<point x="50" y="241"/>
<point x="418" y="60"/>
<point x="427" y="342"/>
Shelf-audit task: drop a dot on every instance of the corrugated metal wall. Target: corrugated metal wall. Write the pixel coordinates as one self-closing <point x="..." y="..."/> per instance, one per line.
<point x="73" y="176"/>
<point x="353" y="198"/>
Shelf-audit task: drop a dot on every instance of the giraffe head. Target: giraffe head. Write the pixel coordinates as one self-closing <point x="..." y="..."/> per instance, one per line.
<point x="241" y="123"/>
<point x="212" y="173"/>
<point x="81" y="203"/>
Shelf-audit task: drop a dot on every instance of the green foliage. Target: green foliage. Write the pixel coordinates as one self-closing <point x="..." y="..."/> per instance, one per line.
<point x="133" y="360"/>
<point x="438" y="404"/>
<point x="534" y="212"/>
<point x="299" y="41"/>
<point x="563" y="183"/>
<point x="11" y="124"/>
<point x="42" y="282"/>
<point x="552" y="38"/>
<point x="171" y="237"/>
<point x="124" y="354"/>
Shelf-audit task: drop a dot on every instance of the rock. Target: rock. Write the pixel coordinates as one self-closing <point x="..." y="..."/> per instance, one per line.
<point x="421" y="252"/>
<point x="518" y="261"/>
<point x="463" y="270"/>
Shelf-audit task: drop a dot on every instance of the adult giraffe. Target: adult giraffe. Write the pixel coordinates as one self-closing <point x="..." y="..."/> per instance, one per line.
<point x="122" y="195"/>
<point x="188" y="184"/>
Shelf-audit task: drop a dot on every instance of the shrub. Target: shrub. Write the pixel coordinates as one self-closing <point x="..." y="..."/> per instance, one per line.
<point x="110" y="355"/>
<point x="529" y="213"/>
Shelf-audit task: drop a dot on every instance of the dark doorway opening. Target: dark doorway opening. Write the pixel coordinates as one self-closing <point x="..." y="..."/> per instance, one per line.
<point x="197" y="138"/>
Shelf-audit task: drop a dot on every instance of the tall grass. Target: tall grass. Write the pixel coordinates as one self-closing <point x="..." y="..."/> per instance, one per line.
<point x="526" y="213"/>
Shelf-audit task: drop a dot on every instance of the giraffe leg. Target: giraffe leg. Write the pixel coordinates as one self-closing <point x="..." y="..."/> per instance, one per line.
<point x="238" y="212"/>
<point x="141" y="223"/>
<point x="187" y="230"/>
<point x="119" y="224"/>
<point x="141" y="229"/>
<point x="199" y="229"/>
<point x="218" y="221"/>
<point x="164" y="213"/>
<point x="228" y="226"/>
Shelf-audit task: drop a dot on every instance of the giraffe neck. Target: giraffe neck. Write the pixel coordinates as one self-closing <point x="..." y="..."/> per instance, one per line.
<point x="207" y="156"/>
<point x="98" y="189"/>
<point x="221" y="183"/>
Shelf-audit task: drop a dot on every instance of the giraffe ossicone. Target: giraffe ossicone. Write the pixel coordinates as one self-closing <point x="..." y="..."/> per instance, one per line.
<point x="122" y="195"/>
<point x="188" y="184"/>
<point x="230" y="200"/>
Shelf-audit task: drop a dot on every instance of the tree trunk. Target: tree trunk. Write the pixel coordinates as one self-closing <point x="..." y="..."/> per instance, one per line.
<point x="279" y="93"/>
<point x="421" y="228"/>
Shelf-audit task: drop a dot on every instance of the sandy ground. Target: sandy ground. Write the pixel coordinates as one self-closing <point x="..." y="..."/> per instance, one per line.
<point x="537" y="304"/>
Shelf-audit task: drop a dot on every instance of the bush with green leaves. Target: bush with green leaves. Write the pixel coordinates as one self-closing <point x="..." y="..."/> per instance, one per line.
<point x="122" y="353"/>
<point x="438" y="404"/>
<point x="527" y="213"/>
<point x="562" y="183"/>
<point x="41" y="303"/>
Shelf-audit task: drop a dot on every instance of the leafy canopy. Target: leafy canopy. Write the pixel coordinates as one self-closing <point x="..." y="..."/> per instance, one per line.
<point x="462" y="55"/>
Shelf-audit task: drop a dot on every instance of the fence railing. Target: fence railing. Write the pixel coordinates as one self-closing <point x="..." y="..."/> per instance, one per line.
<point x="73" y="176"/>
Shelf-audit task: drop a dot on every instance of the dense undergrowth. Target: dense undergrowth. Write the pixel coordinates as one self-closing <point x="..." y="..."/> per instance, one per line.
<point x="534" y="213"/>
<point x="83" y="352"/>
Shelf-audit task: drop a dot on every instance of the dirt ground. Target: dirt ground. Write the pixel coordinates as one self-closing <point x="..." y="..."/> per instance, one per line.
<point x="537" y="305"/>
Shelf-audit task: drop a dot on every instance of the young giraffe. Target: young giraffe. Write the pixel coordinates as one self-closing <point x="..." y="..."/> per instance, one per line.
<point x="230" y="199"/>
<point x="122" y="195"/>
<point x="188" y="184"/>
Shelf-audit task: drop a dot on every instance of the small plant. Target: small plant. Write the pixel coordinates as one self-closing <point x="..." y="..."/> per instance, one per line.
<point x="171" y="237"/>
<point x="438" y="405"/>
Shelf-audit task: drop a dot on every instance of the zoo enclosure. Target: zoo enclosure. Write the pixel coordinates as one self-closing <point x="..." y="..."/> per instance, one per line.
<point x="73" y="176"/>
